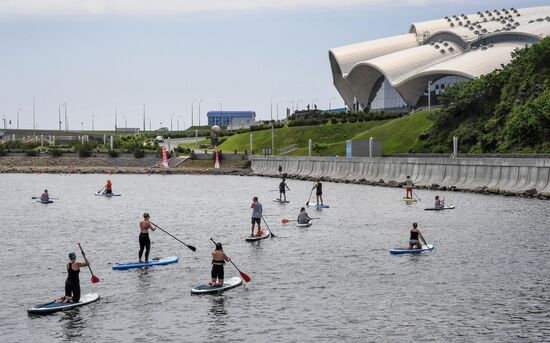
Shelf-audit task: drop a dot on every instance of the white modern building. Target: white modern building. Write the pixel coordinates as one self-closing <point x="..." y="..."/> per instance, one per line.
<point x="395" y="73"/>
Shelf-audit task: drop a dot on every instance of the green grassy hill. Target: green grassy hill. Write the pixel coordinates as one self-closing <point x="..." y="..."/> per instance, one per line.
<point x="398" y="136"/>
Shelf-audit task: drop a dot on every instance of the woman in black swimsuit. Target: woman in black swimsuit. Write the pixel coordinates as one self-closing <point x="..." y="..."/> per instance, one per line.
<point x="72" y="284"/>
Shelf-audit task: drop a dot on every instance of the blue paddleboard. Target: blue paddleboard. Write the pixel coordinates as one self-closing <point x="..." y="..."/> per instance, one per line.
<point x="411" y="251"/>
<point x="311" y="204"/>
<point x="159" y="262"/>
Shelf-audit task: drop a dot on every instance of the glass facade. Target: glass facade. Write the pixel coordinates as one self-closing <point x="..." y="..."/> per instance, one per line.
<point x="387" y="97"/>
<point x="227" y="118"/>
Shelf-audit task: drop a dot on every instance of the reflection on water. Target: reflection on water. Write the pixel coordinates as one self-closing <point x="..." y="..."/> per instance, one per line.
<point x="72" y="324"/>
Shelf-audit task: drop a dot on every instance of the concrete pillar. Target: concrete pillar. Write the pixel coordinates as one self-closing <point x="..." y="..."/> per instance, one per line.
<point x="42" y="141"/>
<point x="111" y="143"/>
<point x="309" y="148"/>
<point x="53" y="140"/>
<point x="455" y="147"/>
<point x="104" y="139"/>
<point x="370" y="146"/>
<point x="251" y="141"/>
<point x="196" y="137"/>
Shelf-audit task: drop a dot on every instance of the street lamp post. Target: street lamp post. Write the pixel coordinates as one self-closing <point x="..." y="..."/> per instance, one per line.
<point x="179" y="122"/>
<point x="18" y="110"/>
<point x="313" y="102"/>
<point x="330" y="102"/>
<point x="277" y="105"/>
<point x="4" y="119"/>
<point x="125" y="123"/>
<point x="33" y="118"/>
<point x="116" y="119"/>
<point x="143" y="117"/>
<point x="171" y="116"/>
<point x="429" y="95"/>
<point x="66" y="119"/>
<point x="298" y="104"/>
<point x="200" y="112"/>
<point x="271" y="108"/>
<point x="192" y="102"/>
<point x="92" y="122"/>
<point x="149" y="123"/>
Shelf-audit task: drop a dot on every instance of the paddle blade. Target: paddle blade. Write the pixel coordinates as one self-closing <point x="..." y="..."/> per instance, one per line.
<point x="95" y="279"/>
<point x="284" y="221"/>
<point x="245" y="277"/>
<point x="192" y="248"/>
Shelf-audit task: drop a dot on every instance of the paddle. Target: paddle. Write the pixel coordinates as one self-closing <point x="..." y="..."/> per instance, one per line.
<point x="245" y="277"/>
<point x="416" y="196"/>
<point x="95" y="279"/>
<point x="284" y="221"/>
<point x="102" y="188"/>
<point x="174" y="237"/>
<point x="423" y="240"/>
<point x="310" y="193"/>
<point x="272" y="234"/>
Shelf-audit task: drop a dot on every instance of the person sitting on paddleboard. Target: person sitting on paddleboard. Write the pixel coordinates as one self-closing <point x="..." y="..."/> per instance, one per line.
<point x="409" y="187"/>
<point x="109" y="187"/>
<point x="303" y="217"/>
<point x="45" y="196"/>
<point x="414" y="242"/>
<point x="282" y="190"/>
<point x="439" y="203"/>
<point x="218" y="261"/>
<point x="256" y="215"/>
<point x="72" y="284"/>
<point x="144" y="241"/>
<point x="319" y="191"/>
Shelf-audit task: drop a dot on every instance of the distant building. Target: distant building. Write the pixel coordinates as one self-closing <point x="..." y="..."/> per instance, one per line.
<point x="234" y="120"/>
<point x="127" y="129"/>
<point x="397" y="73"/>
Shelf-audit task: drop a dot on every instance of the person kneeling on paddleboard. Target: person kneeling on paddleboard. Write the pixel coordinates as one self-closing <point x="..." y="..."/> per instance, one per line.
<point x="256" y="215"/>
<point x="319" y="192"/>
<point x="144" y="241"/>
<point x="282" y="190"/>
<point x="109" y="187"/>
<point x="45" y="196"/>
<point x="303" y="217"/>
<point x="409" y="188"/>
<point x="72" y="284"/>
<point x="414" y="242"/>
<point x="218" y="261"/>
<point x="439" y="203"/>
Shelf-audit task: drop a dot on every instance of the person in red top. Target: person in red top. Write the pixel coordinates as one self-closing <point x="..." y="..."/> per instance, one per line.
<point x="109" y="187"/>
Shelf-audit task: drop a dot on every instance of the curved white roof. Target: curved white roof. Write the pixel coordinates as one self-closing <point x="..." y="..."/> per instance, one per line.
<point x="465" y="45"/>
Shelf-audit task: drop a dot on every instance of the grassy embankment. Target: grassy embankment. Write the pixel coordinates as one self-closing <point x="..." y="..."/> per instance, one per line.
<point x="397" y="135"/>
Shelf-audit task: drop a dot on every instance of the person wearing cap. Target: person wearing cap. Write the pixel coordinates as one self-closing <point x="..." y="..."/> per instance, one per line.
<point x="45" y="196"/>
<point x="144" y="241"/>
<point x="218" y="261"/>
<point x="109" y="187"/>
<point x="282" y="190"/>
<point x="72" y="284"/>
<point x="257" y="211"/>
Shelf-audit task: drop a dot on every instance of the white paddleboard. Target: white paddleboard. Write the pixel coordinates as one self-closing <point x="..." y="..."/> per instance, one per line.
<point x="227" y="284"/>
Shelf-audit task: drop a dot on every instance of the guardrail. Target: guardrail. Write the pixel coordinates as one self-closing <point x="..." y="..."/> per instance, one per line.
<point x="287" y="149"/>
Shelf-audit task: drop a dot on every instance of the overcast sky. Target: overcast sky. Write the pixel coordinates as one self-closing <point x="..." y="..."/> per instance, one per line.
<point x="103" y="55"/>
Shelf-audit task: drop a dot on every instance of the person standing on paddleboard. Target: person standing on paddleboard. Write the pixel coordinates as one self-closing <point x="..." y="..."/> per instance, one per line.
<point x="303" y="217"/>
<point x="144" y="241"/>
<point x="218" y="261"/>
<point x="109" y="187"/>
<point x="45" y="196"/>
<point x="319" y="192"/>
<point x="409" y="188"/>
<point x="282" y="190"/>
<point x="414" y="242"/>
<point x="256" y="215"/>
<point x="72" y="284"/>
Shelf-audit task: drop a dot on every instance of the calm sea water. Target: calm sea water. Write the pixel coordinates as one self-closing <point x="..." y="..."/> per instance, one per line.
<point x="487" y="279"/>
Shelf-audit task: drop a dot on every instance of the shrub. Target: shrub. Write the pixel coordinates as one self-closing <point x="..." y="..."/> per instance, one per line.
<point x="112" y="153"/>
<point x="31" y="152"/>
<point x="3" y="150"/>
<point x="192" y="155"/>
<point x="139" y="153"/>
<point x="55" y="152"/>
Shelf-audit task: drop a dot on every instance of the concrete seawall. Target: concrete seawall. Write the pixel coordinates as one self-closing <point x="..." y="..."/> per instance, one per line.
<point x="506" y="176"/>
